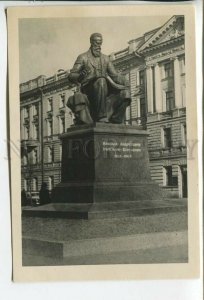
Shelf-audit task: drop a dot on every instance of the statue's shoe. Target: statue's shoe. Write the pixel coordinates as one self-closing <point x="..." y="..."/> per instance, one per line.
<point x="103" y="120"/>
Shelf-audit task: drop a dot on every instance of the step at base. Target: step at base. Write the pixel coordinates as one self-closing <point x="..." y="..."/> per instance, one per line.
<point x="105" y="210"/>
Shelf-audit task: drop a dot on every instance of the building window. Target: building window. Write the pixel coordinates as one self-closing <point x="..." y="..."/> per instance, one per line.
<point x="35" y="131"/>
<point x="168" y="178"/>
<point x="35" y="156"/>
<point x="51" y="182"/>
<point x="35" y="184"/>
<point x="169" y="100"/>
<point x="142" y="107"/>
<point x="62" y="100"/>
<point x="49" y="104"/>
<point x="50" y="154"/>
<point x="141" y="77"/>
<point x="35" y="110"/>
<point x="168" y="70"/>
<point x="167" y="142"/>
<point x="182" y="65"/>
<point x="26" y="132"/>
<point x="62" y="124"/>
<point x="49" y="127"/>
<point x="26" y="112"/>
<point x="183" y="134"/>
<point x="25" y="185"/>
<point x="25" y="159"/>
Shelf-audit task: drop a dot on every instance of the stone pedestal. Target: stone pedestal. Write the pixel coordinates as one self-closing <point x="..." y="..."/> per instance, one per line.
<point x="105" y="163"/>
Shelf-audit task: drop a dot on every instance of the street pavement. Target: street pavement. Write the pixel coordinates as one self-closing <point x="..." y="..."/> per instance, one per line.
<point x="166" y="250"/>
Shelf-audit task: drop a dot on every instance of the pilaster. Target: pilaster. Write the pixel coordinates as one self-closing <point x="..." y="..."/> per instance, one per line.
<point x="149" y="89"/>
<point x="177" y="83"/>
<point x="158" y="91"/>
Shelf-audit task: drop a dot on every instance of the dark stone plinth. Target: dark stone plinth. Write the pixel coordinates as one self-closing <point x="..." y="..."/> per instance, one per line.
<point x="105" y="163"/>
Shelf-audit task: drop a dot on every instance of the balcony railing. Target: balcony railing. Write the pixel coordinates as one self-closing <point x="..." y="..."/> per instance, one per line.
<point x="29" y="142"/>
<point x="50" y="79"/>
<point x="163" y="152"/>
<point x="121" y="53"/>
<point x="182" y="111"/>
<point x="52" y="165"/>
<point x="139" y="121"/>
<point x="53" y="137"/>
<point x="31" y="167"/>
<point x="166" y="114"/>
<point x="174" y="113"/>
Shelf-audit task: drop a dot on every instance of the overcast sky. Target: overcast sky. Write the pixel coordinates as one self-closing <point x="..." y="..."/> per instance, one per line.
<point x="49" y="44"/>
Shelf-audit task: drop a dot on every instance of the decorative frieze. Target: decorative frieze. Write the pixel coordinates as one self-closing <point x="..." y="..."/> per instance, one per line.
<point x="163" y="55"/>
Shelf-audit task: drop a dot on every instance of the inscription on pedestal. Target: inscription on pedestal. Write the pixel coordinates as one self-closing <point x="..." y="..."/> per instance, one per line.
<point x="121" y="149"/>
<point x="105" y="163"/>
<point x="104" y="148"/>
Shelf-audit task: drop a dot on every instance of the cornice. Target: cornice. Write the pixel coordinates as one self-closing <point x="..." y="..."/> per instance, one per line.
<point x="164" y="44"/>
<point x="127" y="62"/>
<point x="36" y="92"/>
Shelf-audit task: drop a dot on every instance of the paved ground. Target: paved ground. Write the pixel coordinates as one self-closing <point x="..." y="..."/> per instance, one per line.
<point x="63" y="229"/>
<point x="174" y="254"/>
<point x="70" y="230"/>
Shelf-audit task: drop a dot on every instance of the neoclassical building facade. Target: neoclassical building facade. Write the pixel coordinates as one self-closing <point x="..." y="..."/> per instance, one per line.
<point x="155" y="65"/>
<point x="44" y="116"/>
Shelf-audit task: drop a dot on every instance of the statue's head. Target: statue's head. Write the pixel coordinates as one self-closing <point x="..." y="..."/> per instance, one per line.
<point x="96" y="40"/>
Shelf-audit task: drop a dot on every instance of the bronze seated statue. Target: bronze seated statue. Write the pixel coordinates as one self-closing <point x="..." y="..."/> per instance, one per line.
<point x="103" y="94"/>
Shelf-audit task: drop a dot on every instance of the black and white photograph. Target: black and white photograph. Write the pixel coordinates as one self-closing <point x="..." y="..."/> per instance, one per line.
<point x="105" y="143"/>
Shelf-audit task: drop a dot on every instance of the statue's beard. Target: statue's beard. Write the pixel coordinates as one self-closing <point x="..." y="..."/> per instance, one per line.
<point x="96" y="51"/>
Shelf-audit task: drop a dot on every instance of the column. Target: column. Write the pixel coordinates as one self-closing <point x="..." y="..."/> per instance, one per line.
<point x="149" y="89"/>
<point x="138" y="111"/>
<point x="177" y="84"/>
<point x="158" y="91"/>
<point x="137" y="77"/>
<point x="128" y="114"/>
<point x="138" y="107"/>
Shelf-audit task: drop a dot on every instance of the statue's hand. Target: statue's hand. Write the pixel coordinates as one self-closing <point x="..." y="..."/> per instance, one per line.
<point x="83" y="74"/>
